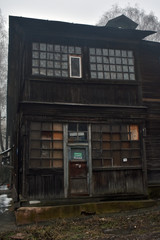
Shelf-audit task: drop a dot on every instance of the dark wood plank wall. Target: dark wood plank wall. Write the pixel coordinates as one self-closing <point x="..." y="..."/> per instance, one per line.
<point x="76" y="91"/>
<point x="150" y="69"/>
<point x="128" y="181"/>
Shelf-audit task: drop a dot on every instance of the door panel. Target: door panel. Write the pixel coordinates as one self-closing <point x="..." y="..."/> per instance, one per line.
<point x="78" y="171"/>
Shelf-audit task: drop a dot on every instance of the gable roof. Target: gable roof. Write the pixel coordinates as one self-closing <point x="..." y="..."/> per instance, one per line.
<point x="122" y="22"/>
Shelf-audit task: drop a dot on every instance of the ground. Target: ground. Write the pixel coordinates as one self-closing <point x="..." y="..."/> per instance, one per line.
<point x="143" y="224"/>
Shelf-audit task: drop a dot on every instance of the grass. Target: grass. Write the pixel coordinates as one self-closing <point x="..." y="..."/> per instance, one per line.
<point x="137" y="224"/>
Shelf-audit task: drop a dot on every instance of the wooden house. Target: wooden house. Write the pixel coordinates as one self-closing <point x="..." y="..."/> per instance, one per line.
<point x="83" y="110"/>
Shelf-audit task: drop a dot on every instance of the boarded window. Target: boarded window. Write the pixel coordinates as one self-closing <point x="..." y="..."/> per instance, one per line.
<point x="46" y="145"/>
<point x="115" y="145"/>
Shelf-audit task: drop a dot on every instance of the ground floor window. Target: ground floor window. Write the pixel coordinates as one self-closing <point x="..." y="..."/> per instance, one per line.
<point x="115" y="145"/>
<point x="46" y="145"/>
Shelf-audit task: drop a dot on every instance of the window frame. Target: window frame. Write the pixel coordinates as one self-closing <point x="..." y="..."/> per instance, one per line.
<point x="70" y="66"/>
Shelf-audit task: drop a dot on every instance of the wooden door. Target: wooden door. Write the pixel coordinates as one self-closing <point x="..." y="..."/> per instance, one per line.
<point x="78" y="172"/>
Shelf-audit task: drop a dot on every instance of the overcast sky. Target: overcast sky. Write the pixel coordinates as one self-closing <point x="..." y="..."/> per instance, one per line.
<point x="76" y="11"/>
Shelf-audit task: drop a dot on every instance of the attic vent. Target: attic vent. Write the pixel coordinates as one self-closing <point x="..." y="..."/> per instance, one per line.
<point x="122" y="22"/>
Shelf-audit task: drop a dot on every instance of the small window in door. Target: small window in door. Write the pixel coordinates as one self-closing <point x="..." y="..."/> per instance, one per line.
<point x="77" y="132"/>
<point x="75" y="66"/>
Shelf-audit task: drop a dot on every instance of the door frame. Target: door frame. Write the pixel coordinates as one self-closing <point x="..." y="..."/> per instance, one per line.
<point x="66" y="147"/>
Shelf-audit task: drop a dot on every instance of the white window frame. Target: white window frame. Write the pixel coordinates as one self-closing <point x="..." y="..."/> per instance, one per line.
<point x="70" y="66"/>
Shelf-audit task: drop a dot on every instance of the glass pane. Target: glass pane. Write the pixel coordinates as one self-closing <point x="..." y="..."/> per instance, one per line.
<point x="43" y="63"/>
<point x="64" y="57"/>
<point x="98" y="51"/>
<point x="35" y="54"/>
<point x="106" y="68"/>
<point x="77" y="50"/>
<point x="93" y="75"/>
<point x="124" y="61"/>
<point x="124" y="53"/>
<point x="35" y="71"/>
<point x="126" y="76"/>
<point x="113" y="68"/>
<point x="64" y="49"/>
<point x="113" y="76"/>
<point x="57" y="73"/>
<point x="57" y="57"/>
<point x="50" y="47"/>
<point x="50" y="56"/>
<point x="111" y="52"/>
<point x="105" y="52"/>
<point x="99" y="59"/>
<point x="57" y="65"/>
<point x="92" y="59"/>
<point x="75" y="67"/>
<point x="112" y="60"/>
<point x="107" y="75"/>
<point x="46" y="126"/>
<point x="92" y="51"/>
<point x="130" y="53"/>
<point x="130" y="62"/>
<point x="42" y="71"/>
<point x="42" y="46"/>
<point x="100" y="75"/>
<point x="64" y="65"/>
<point x="35" y="46"/>
<point x="50" y="72"/>
<point x="71" y="49"/>
<point x="105" y="60"/>
<point x="93" y="67"/>
<point x="118" y="53"/>
<point x="99" y="67"/>
<point x="49" y="64"/>
<point x="125" y="69"/>
<point x="132" y="76"/>
<point x="64" y="73"/>
<point x="43" y="55"/>
<point x="57" y="48"/>
<point x="131" y="69"/>
<point x="35" y="63"/>
<point x="72" y="127"/>
<point x="82" y="127"/>
<point x="118" y="60"/>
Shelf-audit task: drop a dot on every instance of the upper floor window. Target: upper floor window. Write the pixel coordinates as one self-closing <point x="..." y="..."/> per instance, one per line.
<point x="56" y="60"/>
<point x="75" y="66"/>
<point x="111" y="64"/>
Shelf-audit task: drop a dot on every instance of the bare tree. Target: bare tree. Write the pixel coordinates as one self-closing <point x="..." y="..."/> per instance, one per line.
<point x="3" y="77"/>
<point x="144" y="21"/>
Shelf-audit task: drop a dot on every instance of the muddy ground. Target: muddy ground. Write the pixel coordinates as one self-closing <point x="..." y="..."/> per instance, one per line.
<point x="143" y="224"/>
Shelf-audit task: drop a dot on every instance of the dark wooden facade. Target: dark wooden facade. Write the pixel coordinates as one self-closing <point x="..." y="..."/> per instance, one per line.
<point x="83" y="110"/>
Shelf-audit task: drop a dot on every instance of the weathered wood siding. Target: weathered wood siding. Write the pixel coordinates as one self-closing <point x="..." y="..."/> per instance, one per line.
<point x="150" y="69"/>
